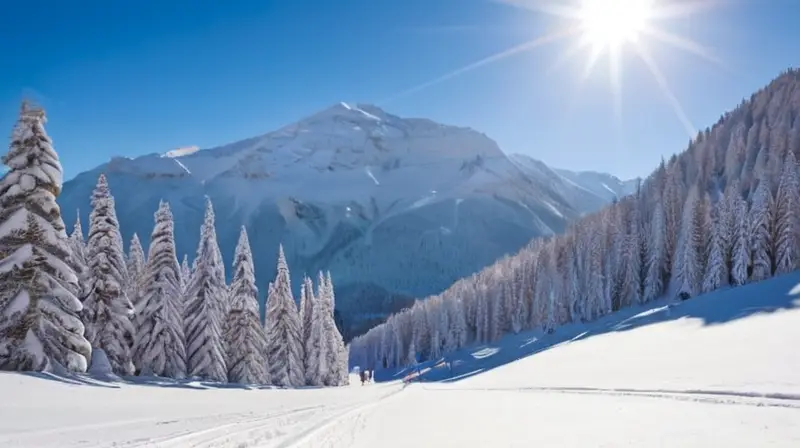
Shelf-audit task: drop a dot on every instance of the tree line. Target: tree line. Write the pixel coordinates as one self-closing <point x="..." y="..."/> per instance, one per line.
<point x="64" y="298"/>
<point x="723" y="213"/>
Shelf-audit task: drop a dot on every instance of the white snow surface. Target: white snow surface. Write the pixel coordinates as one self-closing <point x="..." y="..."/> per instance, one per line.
<point x="183" y="151"/>
<point x="717" y="370"/>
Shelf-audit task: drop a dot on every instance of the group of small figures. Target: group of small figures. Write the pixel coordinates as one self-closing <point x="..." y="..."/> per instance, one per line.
<point x="366" y="376"/>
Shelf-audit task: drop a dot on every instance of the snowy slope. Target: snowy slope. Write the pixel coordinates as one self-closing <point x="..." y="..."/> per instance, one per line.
<point x="602" y="185"/>
<point x="718" y="370"/>
<point x="402" y="207"/>
<point x="587" y="192"/>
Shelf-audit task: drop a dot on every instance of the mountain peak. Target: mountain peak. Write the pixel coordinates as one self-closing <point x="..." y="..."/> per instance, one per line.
<point x="356" y="112"/>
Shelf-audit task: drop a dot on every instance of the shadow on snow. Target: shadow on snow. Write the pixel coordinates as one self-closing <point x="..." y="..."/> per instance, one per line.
<point x="716" y="308"/>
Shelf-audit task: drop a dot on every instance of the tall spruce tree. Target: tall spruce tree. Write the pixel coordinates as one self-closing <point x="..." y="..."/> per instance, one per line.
<point x="306" y="315"/>
<point x="787" y="218"/>
<point x="284" y="333"/>
<point x="159" y="347"/>
<point x="761" y="217"/>
<point x="245" y="341"/>
<point x="108" y="309"/>
<point x="205" y="304"/>
<point x="40" y="327"/>
<point x="186" y="273"/>
<point x="136" y="270"/>
<point x="337" y="354"/>
<point x="77" y="247"/>
<point x="316" y="359"/>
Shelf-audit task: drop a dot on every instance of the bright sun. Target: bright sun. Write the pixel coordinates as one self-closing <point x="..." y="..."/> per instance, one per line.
<point x="606" y="28"/>
<point x="611" y="23"/>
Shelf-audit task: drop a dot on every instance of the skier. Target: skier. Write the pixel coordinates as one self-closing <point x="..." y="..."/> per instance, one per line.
<point x="363" y="375"/>
<point x="369" y="376"/>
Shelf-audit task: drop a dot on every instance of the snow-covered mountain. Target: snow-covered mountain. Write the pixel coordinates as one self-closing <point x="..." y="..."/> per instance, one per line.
<point x="394" y="207"/>
<point x="603" y="185"/>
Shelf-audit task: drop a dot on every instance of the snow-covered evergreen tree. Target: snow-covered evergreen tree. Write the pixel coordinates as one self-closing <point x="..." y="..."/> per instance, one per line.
<point x="336" y="352"/>
<point x="787" y="218"/>
<point x="136" y="270"/>
<point x="761" y="215"/>
<point x="77" y="247"/>
<point x="40" y="328"/>
<point x="307" y="300"/>
<point x="108" y="310"/>
<point x="205" y="305"/>
<point x="244" y="337"/>
<point x="716" y="274"/>
<point x="690" y="254"/>
<point x="159" y="347"/>
<point x="315" y="353"/>
<point x="284" y="331"/>
<point x="186" y="273"/>
<point x="740" y="250"/>
<point x="632" y="280"/>
<point x="656" y="263"/>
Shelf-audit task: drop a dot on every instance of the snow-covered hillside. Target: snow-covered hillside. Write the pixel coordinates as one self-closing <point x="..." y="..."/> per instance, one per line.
<point x="716" y="370"/>
<point x="394" y="207"/>
<point x="586" y="191"/>
<point x="603" y="185"/>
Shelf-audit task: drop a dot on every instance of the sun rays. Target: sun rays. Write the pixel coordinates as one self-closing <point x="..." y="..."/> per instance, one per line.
<point x="612" y="29"/>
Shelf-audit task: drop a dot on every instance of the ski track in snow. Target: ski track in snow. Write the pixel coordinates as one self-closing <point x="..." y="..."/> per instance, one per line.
<point x="239" y="433"/>
<point x="321" y="433"/>
<point x="700" y="396"/>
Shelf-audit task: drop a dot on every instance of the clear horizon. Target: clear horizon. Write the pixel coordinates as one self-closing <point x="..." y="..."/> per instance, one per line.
<point x="125" y="80"/>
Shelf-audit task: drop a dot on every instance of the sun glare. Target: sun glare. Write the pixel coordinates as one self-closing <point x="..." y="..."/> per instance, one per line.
<point x="611" y="23"/>
<point x="615" y="29"/>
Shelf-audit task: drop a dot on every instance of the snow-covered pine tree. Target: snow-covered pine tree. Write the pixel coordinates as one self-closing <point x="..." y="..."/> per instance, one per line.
<point x="315" y="354"/>
<point x="306" y="306"/>
<point x="673" y="212"/>
<point x="337" y="353"/>
<point x="77" y="247"/>
<point x="740" y="250"/>
<point x="307" y="300"/>
<point x="159" y="347"/>
<point x="284" y="333"/>
<point x="136" y="270"/>
<point x="205" y="305"/>
<point x="245" y="341"/>
<point x="186" y="273"/>
<point x="411" y="355"/>
<point x="656" y="263"/>
<point x="40" y="327"/>
<point x="687" y="264"/>
<point x="632" y="281"/>
<point x="716" y="274"/>
<point x="760" y="226"/>
<point x="787" y="218"/>
<point x="329" y="285"/>
<point x="107" y="307"/>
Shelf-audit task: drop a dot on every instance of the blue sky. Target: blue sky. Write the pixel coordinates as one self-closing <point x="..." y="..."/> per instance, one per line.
<point x="130" y="78"/>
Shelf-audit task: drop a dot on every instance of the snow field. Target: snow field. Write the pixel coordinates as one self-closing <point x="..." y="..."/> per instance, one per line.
<point x="717" y="370"/>
<point x="42" y="412"/>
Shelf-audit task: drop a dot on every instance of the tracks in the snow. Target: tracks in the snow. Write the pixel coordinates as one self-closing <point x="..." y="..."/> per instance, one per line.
<point x="316" y="435"/>
<point x="239" y="433"/>
<point x="298" y="427"/>
<point x="693" y="395"/>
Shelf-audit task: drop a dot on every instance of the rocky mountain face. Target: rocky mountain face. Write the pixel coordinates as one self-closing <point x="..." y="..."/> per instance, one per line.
<point x="396" y="208"/>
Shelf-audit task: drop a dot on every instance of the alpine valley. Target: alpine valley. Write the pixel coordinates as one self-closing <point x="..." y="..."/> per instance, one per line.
<point x="395" y="208"/>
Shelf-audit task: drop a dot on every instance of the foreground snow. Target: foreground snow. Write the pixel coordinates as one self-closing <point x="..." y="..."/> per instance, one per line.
<point x="720" y="370"/>
<point x="55" y="412"/>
